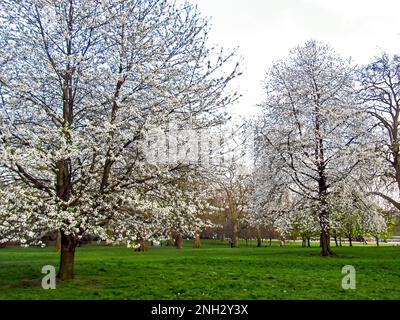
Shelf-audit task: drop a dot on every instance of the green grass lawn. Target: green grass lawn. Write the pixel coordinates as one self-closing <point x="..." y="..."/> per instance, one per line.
<point x="213" y="272"/>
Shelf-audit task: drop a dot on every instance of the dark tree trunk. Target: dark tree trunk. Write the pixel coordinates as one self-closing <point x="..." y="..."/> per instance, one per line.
<point x="308" y="242"/>
<point x="178" y="241"/>
<point x="350" y="241"/>
<point x="326" y="245"/>
<point x="259" y="242"/>
<point x="336" y="242"/>
<point x="270" y="242"/>
<point x="320" y="240"/>
<point x="303" y="242"/>
<point x="67" y="258"/>
<point x="325" y="238"/>
<point x="68" y="242"/>
<point x="340" y="241"/>
<point x="63" y="179"/>
<point x="377" y="241"/>
<point x="322" y="183"/>
<point x="57" y="245"/>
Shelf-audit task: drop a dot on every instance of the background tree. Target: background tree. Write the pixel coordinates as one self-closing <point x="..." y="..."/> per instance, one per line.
<point x="379" y="94"/>
<point x="355" y="214"/>
<point x="232" y="187"/>
<point x="187" y="205"/>
<point x="311" y="123"/>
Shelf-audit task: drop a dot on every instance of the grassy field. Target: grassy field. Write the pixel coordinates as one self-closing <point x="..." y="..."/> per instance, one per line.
<point x="213" y="272"/>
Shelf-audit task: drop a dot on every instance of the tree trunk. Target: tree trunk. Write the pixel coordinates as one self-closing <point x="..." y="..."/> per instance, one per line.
<point x="197" y="241"/>
<point x="377" y="241"/>
<point x="320" y="240"/>
<point x="308" y="242"/>
<point x="322" y="184"/>
<point x="303" y="242"/>
<point x="270" y="242"/>
<point x="340" y="241"/>
<point x="326" y="245"/>
<point x="67" y="257"/>
<point x="325" y="238"/>
<point x="350" y="241"/>
<point x="235" y="238"/>
<point x="336" y="242"/>
<point x="68" y="242"/>
<point x="142" y="245"/>
<point x="64" y="171"/>
<point x="178" y="241"/>
<point x="259" y="242"/>
<point x="57" y="245"/>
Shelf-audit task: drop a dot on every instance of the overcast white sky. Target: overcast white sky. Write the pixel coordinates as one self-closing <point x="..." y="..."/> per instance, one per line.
<point x="265" y="30"/>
